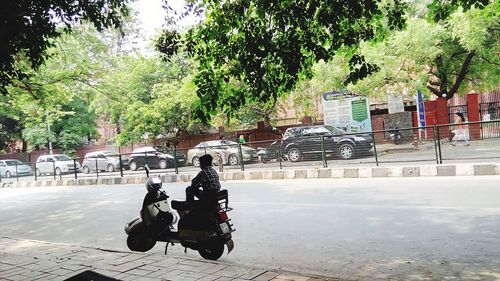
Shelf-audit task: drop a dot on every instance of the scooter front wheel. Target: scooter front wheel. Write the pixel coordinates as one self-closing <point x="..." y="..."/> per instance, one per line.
<point x="140" y="241"/>
<point x="212" y="252"/>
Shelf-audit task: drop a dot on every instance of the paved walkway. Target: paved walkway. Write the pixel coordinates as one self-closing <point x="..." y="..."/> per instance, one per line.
<point x="36" y="260"/>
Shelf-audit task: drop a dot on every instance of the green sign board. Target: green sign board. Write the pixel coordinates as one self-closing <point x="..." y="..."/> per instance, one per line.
<point x="359" y="110"/>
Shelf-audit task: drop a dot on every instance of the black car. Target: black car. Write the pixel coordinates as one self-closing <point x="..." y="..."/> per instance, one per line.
<point x="154" y="158"/>
<point x="301" y="142"/>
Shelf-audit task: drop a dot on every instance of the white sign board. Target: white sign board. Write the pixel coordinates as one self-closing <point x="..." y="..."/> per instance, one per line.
<point x="346" y="112"/>
<point x="395" y="103"/>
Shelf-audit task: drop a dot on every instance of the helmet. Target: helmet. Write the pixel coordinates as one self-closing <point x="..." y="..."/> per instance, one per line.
<point x="153" y="184"/>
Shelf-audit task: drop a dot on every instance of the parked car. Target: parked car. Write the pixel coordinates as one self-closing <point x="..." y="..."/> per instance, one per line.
<point x="104" y="160"/>
<point x="56" y="164"/>
<point x="225" y="150"/>
<point x="154" y="158"/>
<point x="13" y="167"/>
<point x="300" y="142"/>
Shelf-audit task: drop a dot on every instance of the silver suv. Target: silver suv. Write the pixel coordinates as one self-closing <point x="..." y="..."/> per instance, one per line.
<point x="103" y="160"/>
<point x="56" y="164"/>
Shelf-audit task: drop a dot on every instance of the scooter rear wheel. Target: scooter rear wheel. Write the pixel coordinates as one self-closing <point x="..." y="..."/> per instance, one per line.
<point x="212" y="252"/>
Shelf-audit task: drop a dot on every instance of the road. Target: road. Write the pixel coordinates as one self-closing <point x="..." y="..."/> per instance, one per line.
<point x="401" y="228"/>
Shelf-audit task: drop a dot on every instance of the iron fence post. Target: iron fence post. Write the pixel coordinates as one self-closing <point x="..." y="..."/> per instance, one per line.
<point x="375" y="148"/>
<point x="1" y="177"/>
<point x="17" y="173"/>
<point x="435" y="143"/>
<point x="74" y="166"/>
<point x="279" y="155"/>
<point x="175" y="159"/>
<point x="54" y="169"/>
<point x="439" y="145"/>
<point x="241" y="157"/>
<point x="96" y="168"/>
<point x="121" y="166"/>
<point x="323" y="154"/>
<point x="205" y="148"/>
<point x="36" y="176"/>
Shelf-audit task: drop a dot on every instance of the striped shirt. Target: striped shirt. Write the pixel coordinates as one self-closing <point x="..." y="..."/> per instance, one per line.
<point x="207" y="178"/>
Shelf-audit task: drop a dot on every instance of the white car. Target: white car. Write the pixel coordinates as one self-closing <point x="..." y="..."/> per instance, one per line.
<point x="224" y="150"/>
<point x="13" y="167"/>
<point x="56" y="164"/>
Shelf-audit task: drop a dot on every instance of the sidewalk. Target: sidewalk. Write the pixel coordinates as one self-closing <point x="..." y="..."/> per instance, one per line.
<point x="36" y="260"/>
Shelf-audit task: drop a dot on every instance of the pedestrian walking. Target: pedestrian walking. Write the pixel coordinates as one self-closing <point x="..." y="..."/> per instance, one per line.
<point x="461" y="132"/>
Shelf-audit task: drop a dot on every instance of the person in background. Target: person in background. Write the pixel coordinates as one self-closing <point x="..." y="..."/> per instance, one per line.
<point x="461" y="131"/>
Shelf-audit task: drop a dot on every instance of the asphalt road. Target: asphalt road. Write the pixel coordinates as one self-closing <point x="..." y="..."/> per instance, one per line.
<point x="401" y="228"/>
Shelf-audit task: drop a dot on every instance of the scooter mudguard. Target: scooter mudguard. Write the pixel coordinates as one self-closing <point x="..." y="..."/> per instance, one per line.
<point x="131" y="225"/>
<point x="230" y="245"/>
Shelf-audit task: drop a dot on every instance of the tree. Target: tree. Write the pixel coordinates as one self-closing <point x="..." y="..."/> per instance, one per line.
<point x="28" y="26"/>
<point x="59" y="92"/>
<point x="450" y="56"/>
<point x="255" y="51"/>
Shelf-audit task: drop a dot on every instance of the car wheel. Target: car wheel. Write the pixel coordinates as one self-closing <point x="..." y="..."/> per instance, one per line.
<point x="38" y="173"/>
<point x="86" y="169"/>
<point x="233" y="160"/>
<point x="196" y="161"/>
<point x="163" y="164"/>
<point x="57" y="171"/>
<point x="8" y="174"/>
<point x="294" y="154"/>
<point x="110" y="168"/>
<point x="133" y="166"/>
<point x="217" y="160"/>
<point x="346" y="151"/>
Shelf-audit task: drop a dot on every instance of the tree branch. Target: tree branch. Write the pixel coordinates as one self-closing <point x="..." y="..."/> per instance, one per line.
<point x="461" y="75"/>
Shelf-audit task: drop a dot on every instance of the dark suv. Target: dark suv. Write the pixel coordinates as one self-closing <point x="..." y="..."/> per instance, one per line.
<point x="300" y="142"/>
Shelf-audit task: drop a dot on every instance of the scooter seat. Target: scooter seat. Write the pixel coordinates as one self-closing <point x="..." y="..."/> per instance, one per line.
<point x="179" y="205"/>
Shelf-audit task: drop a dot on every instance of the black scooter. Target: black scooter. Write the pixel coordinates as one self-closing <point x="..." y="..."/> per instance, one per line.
<point x="270" y="153"/>
<point x="396" y="136"/>
<point x="201" y="228"/>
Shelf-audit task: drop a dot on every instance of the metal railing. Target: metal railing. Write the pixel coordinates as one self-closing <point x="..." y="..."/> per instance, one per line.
<point x="432" y="144"/>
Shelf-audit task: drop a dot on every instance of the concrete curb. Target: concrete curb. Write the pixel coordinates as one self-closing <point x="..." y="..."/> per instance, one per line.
<point x="308" y="173"/>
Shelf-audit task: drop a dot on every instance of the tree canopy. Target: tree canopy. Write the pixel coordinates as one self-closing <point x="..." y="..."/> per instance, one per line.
<point x="27" y="28"/>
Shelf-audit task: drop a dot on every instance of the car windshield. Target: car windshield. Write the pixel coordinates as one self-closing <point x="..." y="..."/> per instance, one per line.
<point x="334" y="130"/>
<point x="61" y="158"/>
<point x="13" y="162"/>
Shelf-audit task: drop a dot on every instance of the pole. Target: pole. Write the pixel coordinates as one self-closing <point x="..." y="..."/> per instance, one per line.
<point x="48" y="130"/>
<point x="54" y="168"/>
<point x="375" y="148"/>
<point x="175" y="159"/>
<point x="74" y="166"/>
<point x="279" y="154"/>
<point x="435" y="144"/>
<point x="36" y="177"/>
<point x="439" y="145"/>
<point x="241" y="157"/>
<point x="17" y="174"/>
<point x="121" y="167"/>
<point x="323" y="156"/>
<point x="96" y="168"/>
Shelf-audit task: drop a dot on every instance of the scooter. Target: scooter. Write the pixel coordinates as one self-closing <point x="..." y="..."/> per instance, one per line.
<point x="206" y="230"/>
<point x="396" y="136"/>
<point x="270" y="153"/>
